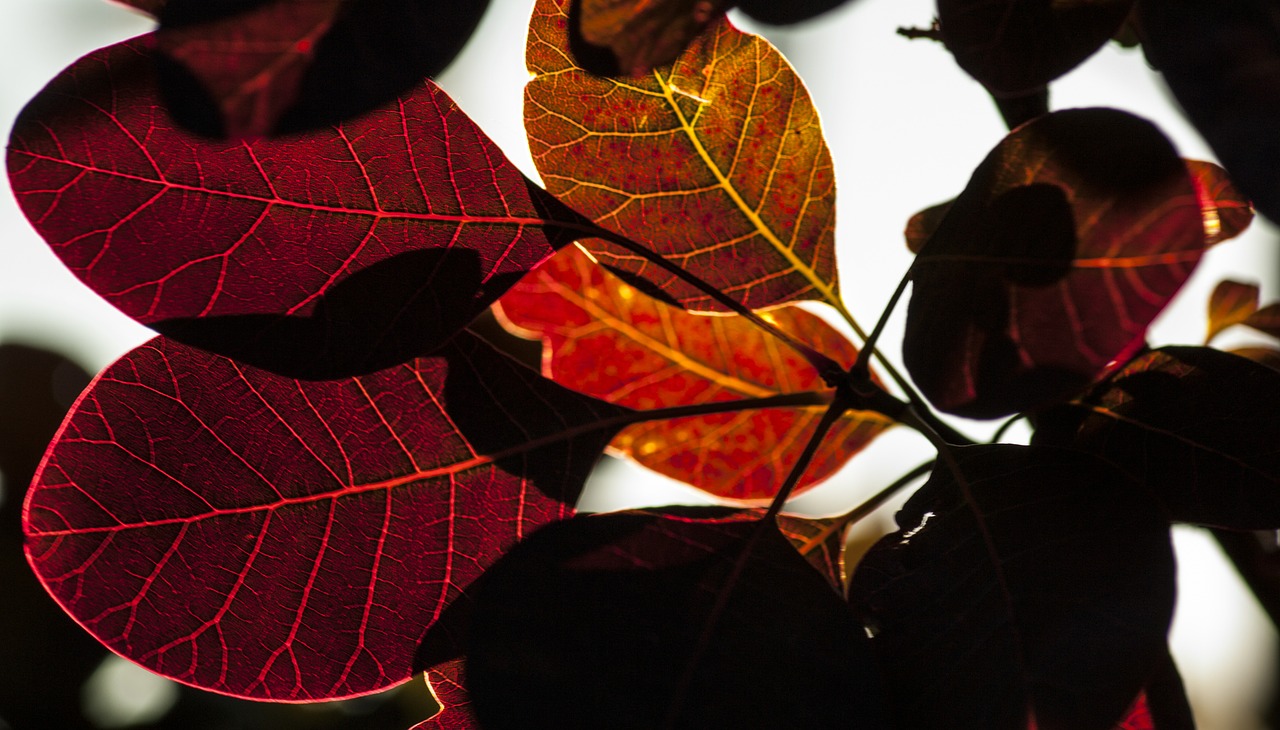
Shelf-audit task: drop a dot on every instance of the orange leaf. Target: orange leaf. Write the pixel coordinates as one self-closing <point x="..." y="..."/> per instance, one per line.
<point x="695" y="156"/>
<point x="1231" y="303"/>
<point x="605" y="338"/>
<point x="1226" y="212"/>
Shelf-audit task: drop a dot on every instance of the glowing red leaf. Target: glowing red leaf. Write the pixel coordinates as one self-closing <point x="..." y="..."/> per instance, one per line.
<point x="327" y="254"/>
<point x="1071" y="237"/>
<point x="1013" y="46"/>
<point x="449" y="690"/>
<point x="665" y="621"/>
<point x="1195" y="425"/>
<point x="279" y="539"/>
<point x="1032" y="590"/>
<point x="604" y="338"/>
<point x="693" y="160"/>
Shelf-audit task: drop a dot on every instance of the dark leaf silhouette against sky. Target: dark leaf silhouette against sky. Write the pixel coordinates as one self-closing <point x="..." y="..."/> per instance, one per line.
<point x="655" y="620"/>
<point x="1195" y="425"/>
<point x="311" y="531"/>
<point x="604" y="338"/>
<point x="1037" y="584"/>
<point x="255" y="67"/>
<point x="1069" y="239"/>
<point x="328" y="254"/>
<point x="1222" y="62"/>
<point x="1016" y="46"/>
<point x="691" y="159"/>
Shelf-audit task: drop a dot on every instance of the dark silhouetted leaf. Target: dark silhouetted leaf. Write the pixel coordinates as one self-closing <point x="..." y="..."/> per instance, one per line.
<point x="254" y="67"/>
<point x="279" y="539"/>
<point x="1069" y="239"/>
<point x="1162" y="704"/>
<point x="1015" y="46"/>
<point x="324" y="255"/>
<point x="1234" y="302"/>
<point x="150" y="7"/>
<point x="643" y="34"/>
<point x="1035" y="592"/>
<point x="1196" y="426"/>
<point x="694" y="158"/>
<point x="1226" y="214"/>
<point x="785" y="13"/>
<point x="1222" y="61"/>
<point x="643" y="621"/>
<point x="608" y="340"/>
<point x="1268" y="356"/>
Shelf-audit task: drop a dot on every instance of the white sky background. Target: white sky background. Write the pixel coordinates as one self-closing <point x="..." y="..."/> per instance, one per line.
<point x="905" y="127"/>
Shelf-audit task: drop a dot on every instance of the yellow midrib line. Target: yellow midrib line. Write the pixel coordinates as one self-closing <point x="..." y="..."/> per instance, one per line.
<point x="828" y="293"/>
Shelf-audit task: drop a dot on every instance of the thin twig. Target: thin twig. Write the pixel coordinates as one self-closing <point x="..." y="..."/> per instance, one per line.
<point x="871" y="505"/>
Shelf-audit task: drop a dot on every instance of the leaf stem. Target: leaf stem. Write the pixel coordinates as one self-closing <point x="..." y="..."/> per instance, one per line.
<point x="833" y="414"/>
<point x="862" y="364"/>
<point x="823" y="364"/>
<point x="867" y="507"/>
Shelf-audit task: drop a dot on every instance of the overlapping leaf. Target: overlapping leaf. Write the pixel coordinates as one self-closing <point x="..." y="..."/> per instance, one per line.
<point x="1015" y="46"/>
<point x="1222" y="62"/>
<point x="1034" y="589"/>
<point x="1070" y="238"/>
<point x="1225" y="211"/>
<point x="717" y="162"/>
<point x="641" y="34"/>
<point x="692" y="608"/>
<point x="333" y="253"/>
<point x="604" y="338"/>
<point x="280" y="539"/>
<point x="249" y="69"/>
<point x="449" y="690"/>
<point x="1195" y="425"/>
<point x="1234" y="302"/>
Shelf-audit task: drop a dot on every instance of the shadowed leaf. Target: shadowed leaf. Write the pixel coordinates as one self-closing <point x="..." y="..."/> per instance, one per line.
<point x="922" y="225"/>
<point x="604" y="338"/>
<point x="1234" y="302"/>
<point x="719" y="159"/>
<point x="1222" y="62"/>
<point x="309" y="532"/>
<point x="666" y="621"/>
<point x="1035" y="591"/>
<point x="256" y="67"/>
<point x="333" y="253"/>
<point x="642" y="34"/>
<point x="150" y="7"/>
<point x="1194" y="425"/>
<point x="1268" y="356"/>
<point x="786" y="13"/>
<point x="1069" y="239"/>
<point x="1015" y="46"/>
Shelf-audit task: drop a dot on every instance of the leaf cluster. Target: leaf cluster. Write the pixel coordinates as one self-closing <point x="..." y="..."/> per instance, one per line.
<point x="324" y="476"/>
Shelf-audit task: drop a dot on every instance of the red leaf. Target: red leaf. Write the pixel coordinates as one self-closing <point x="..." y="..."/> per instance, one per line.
<point x="449" y="690"/>
<point x="665" y="621"/>
<point x="692" y="153"/>
<point x="279" y="539"/>
<point x="1015" y="46"/>
<point x="1034" y="590"/>
<point x="820" y="543"/>
<point x="605" y="339"/>
<point x="1071" y="237"/>
<point x="326" y="254"/>
<point x="1196" y="426"/>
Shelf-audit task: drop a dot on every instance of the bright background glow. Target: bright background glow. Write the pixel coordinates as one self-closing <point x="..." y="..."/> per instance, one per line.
<point x="906" y="128"/>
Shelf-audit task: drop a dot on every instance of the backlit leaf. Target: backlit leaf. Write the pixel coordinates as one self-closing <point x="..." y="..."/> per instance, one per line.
<point x="643" y="34"/>
<point x="604" y="338"/>
<point x="1195" y="425"/>
<point x="449" y="690"/>
<point x="1231" y="303"/>
<point x="328" y="254"/>
<point x="272" y="66"/>
<point x="280" y="539"/>
<point x="1222" y="62"/>
<point x="718" y="162"/>
<point x="665" y="621"/>
<point x="1070" y="238"/>
<point x="1036" y="591"/>
<point x="821" y="545"/>
<point x="1014" y="46"/>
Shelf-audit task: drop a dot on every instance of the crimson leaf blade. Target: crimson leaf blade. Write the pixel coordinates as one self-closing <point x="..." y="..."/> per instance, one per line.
<point x="279" y="539"/>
